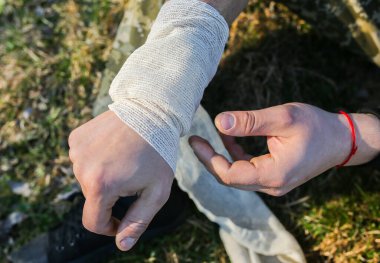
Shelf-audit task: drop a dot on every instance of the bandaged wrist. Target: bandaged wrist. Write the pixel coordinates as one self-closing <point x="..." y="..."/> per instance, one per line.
<point x="159" y="88"/>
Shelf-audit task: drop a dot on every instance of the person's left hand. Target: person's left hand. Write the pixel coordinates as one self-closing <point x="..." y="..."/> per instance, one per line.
<point x="303" y="142"/>
<point x="110" y="160"/>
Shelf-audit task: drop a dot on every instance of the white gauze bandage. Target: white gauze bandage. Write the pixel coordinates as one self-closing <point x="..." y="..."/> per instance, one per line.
<point x="159" y="88"/>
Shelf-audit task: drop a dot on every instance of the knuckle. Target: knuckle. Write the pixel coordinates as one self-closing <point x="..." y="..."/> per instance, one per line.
<point x="225" y="180"/>
<point x="73" y="154"/>
<point x="279" y="182"/>
<point x="277" y="192"/>
<point x="93" y="179"/>
<point x="257" y="177"/>
<point x="88" y="225"/>
<point x="92" y="226"/>
<point x="162" y="193"/>
<point x="249" y="123"/>
<point x="290" y="114"/>
<point x="72" y="138"/>
<point x="95" y="183"/>
<point x="162" y="197"/>
<point x="136" y="228"/>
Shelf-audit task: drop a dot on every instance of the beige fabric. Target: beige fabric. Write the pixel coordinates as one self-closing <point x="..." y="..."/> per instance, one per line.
<point x="249" y="230"/>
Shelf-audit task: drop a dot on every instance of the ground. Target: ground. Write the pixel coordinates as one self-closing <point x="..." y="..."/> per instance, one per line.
<point x="52" y="53"/>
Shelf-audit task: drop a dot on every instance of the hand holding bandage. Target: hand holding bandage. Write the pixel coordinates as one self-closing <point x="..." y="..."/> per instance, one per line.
<point x="155" y="96"/>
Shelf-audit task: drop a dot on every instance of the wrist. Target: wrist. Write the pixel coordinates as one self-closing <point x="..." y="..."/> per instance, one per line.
<point x="367" y="129"/>
<point x="227" y="8"/>
<point x="155" y="128"/>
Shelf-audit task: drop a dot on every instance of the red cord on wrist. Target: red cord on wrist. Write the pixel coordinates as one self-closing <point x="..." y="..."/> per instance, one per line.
<point x="354" y="147"/>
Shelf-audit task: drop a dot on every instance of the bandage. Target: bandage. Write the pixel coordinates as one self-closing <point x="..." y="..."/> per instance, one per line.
<point x="160" y="86"/>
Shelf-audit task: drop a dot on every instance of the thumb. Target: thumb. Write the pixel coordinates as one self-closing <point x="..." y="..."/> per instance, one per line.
<point x="137" y="220"/>
<point x="266" y="122"/>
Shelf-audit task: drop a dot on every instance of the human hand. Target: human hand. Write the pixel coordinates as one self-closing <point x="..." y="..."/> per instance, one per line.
<point x="110" y="160"/>
<point x="303" y="142"/>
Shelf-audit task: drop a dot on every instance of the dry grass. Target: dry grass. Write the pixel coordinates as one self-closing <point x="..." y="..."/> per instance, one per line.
<point x="52" y="54"/>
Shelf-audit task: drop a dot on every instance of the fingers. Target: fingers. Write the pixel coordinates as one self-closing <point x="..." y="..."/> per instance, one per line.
<point x="266" y="122"/>
<point x="217" y="164"/>
<point x="97" y="217"/>
<point x="248" y="175"/>
<point x="138" y="217"/>
<point x="235" y="150"/>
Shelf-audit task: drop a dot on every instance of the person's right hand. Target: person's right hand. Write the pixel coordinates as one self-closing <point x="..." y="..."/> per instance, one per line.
<point x="303" y="142"/>
<point x="110" y="161"/>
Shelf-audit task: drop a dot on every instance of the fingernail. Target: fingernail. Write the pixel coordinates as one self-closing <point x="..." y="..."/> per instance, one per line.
<point x="195" y="149"/>
<point x="127" y="243"/>
<point x="227" y="121"/>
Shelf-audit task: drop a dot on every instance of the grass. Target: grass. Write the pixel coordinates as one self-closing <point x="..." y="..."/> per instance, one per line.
<point x="52" y="54"/>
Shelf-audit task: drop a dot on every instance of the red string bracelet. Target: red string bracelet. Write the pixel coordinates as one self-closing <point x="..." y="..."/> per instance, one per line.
<point x="354" y="147"/>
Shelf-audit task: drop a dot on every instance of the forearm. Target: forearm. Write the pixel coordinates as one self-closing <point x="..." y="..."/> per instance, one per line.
<point x="160" y="86"/>
<point x="229" y="9"/>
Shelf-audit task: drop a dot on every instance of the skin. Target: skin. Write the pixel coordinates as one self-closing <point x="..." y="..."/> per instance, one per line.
<point x="227" y="8"/>
<point x="303" y="142"/>
<point x="110" y="160"/>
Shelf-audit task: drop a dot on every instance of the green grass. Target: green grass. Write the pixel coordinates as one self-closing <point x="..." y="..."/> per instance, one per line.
<point x="51" y="62"/>
<point x="52" y="54"/>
